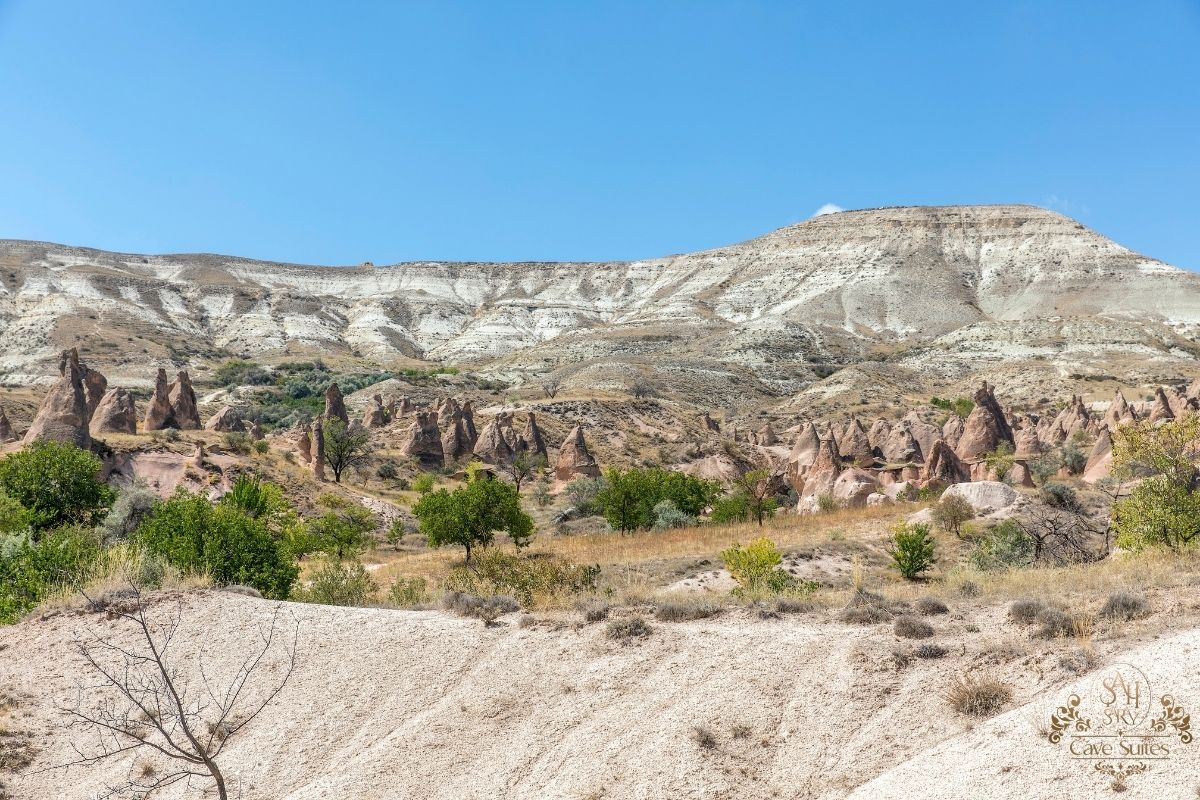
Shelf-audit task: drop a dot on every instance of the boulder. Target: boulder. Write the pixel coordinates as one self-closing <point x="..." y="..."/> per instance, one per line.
<point x="63" y="414"/>
<point x="853" y="486"/>
<point x="304" y="445"/>
<point x="1099" y="463"/>
<point x="425" y="441"/>
<point x="6" y="431"/>
<point x="159" y="414"/>
<point x="1019" y="475"/>
<point x="943" y="467"/>
<point x="574" y="460"/>
<point x="878" y="499"/>
<point x="903" y="490"/>
<point x="988" y="498"/>
<point x="1027" y="442"/>
<point x="377" y="414"/>
<point x="115" y="413"/>
<point x="985" y="428"/>
<point x="228" y="419"/>
<point x="335" y="405"/>
<point x="878" y="435"/>
<point x="535" y="445"/>
<point x="183" y="403"/>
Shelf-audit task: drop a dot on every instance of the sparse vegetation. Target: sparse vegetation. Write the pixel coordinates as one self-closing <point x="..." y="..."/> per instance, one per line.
<point x="627" y="629"/>
<point x="952" y="513"/>
<point x="1125" y="606"/>
<point x="978" y="695"/>
<point x="628" y="497"/>
<point x="931" y="606"/>
<point x="338" y="583"/>
<point x="755" y="567"/>
<point x="685" y="610"/>
<point x="529" y="579"/>
<point x="1025" y="611"/>
<point x="907" y="626"/>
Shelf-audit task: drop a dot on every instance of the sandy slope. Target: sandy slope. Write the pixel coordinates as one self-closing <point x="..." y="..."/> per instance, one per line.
<point x="393" y="704"/>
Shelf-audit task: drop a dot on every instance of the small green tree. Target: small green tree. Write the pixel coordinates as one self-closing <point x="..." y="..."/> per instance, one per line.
<point x="343" y="530"/>
<point x="339" y="583"/>
<point x="58" y="483"/>
<point x="628" y="497"/>
<point x="1005" y="546"/>
<point x="912" y="549"/>
<point x="755" y="486"/>
<point x="522" y="467"/>
<point x="755" y="567"/>
<point x="951" y="513"/>
<point x="472" y="514"/>
<point x="345" y="446"/>
<point x="423" y="483"/>
<point x="1000" y="460"/>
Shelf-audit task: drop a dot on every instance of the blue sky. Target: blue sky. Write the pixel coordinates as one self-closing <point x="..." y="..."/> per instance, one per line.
<point x="344" y="132"/>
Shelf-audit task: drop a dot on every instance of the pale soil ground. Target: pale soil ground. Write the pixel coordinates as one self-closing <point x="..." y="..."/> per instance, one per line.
<point x="422" y="704"/>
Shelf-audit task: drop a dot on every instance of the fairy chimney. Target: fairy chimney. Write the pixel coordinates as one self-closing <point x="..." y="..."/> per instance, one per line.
<point x="985" y="427"/>
<point x="318" y="455"/>
<point x="574" y="460"/>
<point x="425" y="441"/>
<point x="159" y="415"/>
<point x="377" y="413"/>
<point x="183" y="403"/>
<point x="115" y="413"/>
<point x="63" y="414"/>
<point x="535" y="445"/>
<point x="6" y="431"/>
<point x="335" y="405"/>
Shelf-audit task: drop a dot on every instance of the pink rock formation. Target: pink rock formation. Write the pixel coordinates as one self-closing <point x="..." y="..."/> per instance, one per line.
<point x="159" y="414"/>
<point x="985" y="428"/>
<point x="943" y="467"/>
<point x="1161" y="411"/>
<point x="456" y="444"/>
<point x="6" y="431"/>
<point x="902" y="447"/>
<point x="766" y="436"/>
<point x="804" y="451"/>
<point x="494" y="445"/>
<point x="94" y="387"/>
<point x="115" y="413"/>
<point x="826" y="467"/>
<point x="855" y="446"/>
<point x="425" y="441"/>
<point x="228" y="419"/>
<point x="335" y="405"/>
<point x="574" y="460"/>
<point x="535" y="445"/>
<point x="63" y="414"/>
<point x="318" y="456"/>
<point x="922" y="431"/>
<point x="853" y="486"/>
<point x="468" y="417"/>
<point x="952" y="430"/>
<point x="377" y="414"/>
<point x="1099" y="463"/>
<point x="881" y="429"/>
<point x="708" y="423"/>
<point x="304" y="445"/>
<point x="183" y="403"/>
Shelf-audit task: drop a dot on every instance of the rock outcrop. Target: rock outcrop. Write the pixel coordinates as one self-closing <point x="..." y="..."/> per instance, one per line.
<point x="183" y="403"/>
<point x="855" y="446"/>
<point x="456" y="444"/>
<point x="535" y="445"/>
<point x="6" y="430"/>
<point x="227" y="420"/>
<point x="424" y="441"/>
<point x="304" y="445"/>
<point x="853" y="486"/>
<point x="63" y="414"/>
<point x="115" y="413"/>
<point x="1161" y="410"/>
<point x="1119" y="412"/>
<point x="823" y="473"/>
<point x="335" y="405"/>
<point x="468" y="417"/>
<point x="943" y="467"/>
<point x="94" y="387"/>
<point x="494" y="446"/>
<point x="318" y="455"/>
<point x="377" y="415"/>
<point x="804" y="451"/>
<point x="901" y="447"/>
<point x="985" y="428"/>
<point x="159" y="414"/>
<point x="574" y="460"/>
<point x="925" y="433"/>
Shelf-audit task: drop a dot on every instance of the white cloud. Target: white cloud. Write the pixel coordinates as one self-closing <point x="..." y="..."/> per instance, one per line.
<point x="828" y="208"/>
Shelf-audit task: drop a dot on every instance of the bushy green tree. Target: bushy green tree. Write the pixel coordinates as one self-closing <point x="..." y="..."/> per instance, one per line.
<point x="58" y="483"/>
<point x="29" y="569"/>
<point x="222" y="541"/>
<point x="912" y="550"/>
<point x="750" y="499"/>
<point x="1164" y="507"/>
<point x="755" y="567"/>
<point x="345" y="446"/>
<point x="133" y="505"/>
<point x="629" y="496"/>
<point x="1005" y="546"/>
<point x="471" y="515"/>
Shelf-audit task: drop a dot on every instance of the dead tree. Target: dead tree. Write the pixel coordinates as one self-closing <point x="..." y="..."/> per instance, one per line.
<point x="146" y="701"/>
<point x="551" y="387"/>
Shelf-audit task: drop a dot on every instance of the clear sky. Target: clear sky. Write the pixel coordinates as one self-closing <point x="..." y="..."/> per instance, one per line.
<point x="345" y="132"/>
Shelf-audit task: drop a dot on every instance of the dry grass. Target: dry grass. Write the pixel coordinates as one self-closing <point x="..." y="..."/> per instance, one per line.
<point x="111" y="573"/>
<point x="977" y="695"/>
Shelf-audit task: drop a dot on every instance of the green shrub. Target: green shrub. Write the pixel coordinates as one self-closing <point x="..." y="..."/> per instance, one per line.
<point x="343" y="530"/>
<point x="1025" y="611"/>
<point x="387" y="471"/>
<point x="1005" y="546"/>
<point x="58" y="483"/>
<point x="237" y="442"/>
<point x="582" y="492"/>
<point x="755" y="567"/>
<point x="931" y="606"/>
<point x="338" y="583"/>
<point x="1059" y="495"/>
<point x="951" y="514"/>
<point x="423" y="483"/>
<point x="666" y="516"/>
<point x="14" y="517"/>
<point x="540" y="494"/>
<point x="133" y="505"/>
<point x="912" y="550"/>
<point x="30" y="569"/>
<point x="684" y="611"/>
<point x="730" y="509"/>
<point x="826" y="504"/>
<point x="528" y="579"/>
<point x="408" y="592"/>
<point x="1000" y="460"/>
<point x="629" y="497"/>
<point x="222" y="541"/>
<point x="262" y="447"/>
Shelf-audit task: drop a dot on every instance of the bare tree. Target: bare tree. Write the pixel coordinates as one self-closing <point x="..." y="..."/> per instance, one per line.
<point x="642" y="388"/>
<point x="1071" y="531"/>
<point x="144" y="701"/>
<point x="551" y="387"/>
<point x="522" y="467"/>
